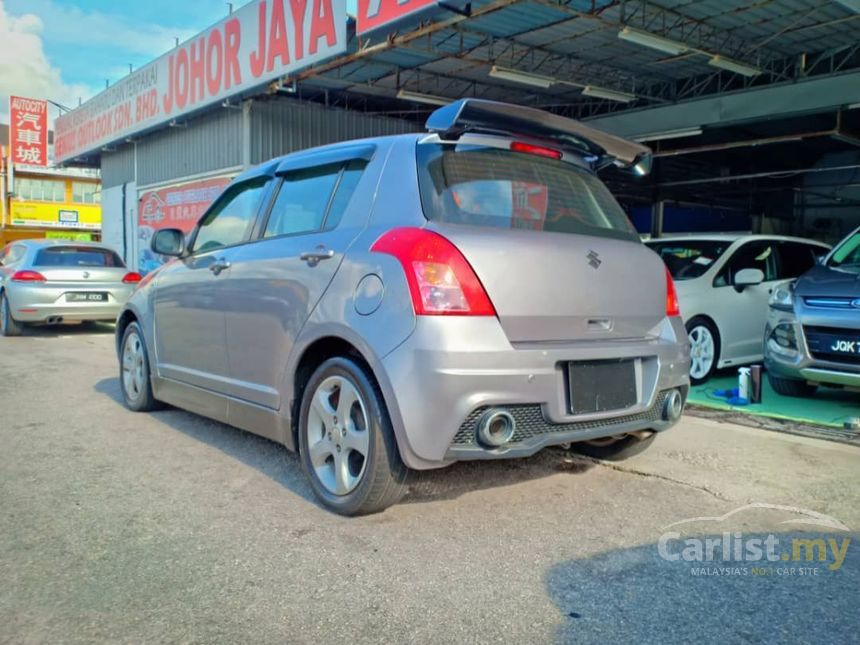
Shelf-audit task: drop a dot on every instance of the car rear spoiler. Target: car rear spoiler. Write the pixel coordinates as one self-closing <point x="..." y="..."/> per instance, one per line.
<point x="477" y="115"/>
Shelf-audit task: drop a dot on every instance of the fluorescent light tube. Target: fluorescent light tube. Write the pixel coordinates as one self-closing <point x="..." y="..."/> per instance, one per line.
<point x="535" y="80"/>
<point x="647" y="39"/>
<point x="851" y="5"/>
<point x="734" y="66"/>
<point x="669" y="134"/>
<point x="418" y="97"/>
<point x="604" y="93"/>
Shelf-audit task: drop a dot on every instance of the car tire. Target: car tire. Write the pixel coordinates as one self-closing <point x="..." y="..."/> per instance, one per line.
<point x="346" y="441"/>
<point x="8" y="325"/>
<point x="618" y="450"/>
<point x="791" y="387"/>
<point x="704" y="338"/>
<point x="134" y="374"/>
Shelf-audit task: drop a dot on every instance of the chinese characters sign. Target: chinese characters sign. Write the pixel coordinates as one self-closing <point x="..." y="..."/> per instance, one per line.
<point x="172" y="207"/>
<point x="28" y="131"/>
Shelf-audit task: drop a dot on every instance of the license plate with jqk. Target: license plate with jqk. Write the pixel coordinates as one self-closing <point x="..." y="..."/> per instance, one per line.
<point x="601" y="386"/>
<point x="86" y="297"/>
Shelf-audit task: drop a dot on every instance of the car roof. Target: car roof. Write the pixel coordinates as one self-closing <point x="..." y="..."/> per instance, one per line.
<point x="38" y="243"/>
<point x="736" y="237"/>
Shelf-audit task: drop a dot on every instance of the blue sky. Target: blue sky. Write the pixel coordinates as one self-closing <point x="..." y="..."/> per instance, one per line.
<point x="65" y="49"/>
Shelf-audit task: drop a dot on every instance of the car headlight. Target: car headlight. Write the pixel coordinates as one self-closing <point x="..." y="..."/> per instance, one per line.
<point x="782" y="297"/>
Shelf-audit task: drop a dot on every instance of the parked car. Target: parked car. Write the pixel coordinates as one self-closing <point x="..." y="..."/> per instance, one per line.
<point x="406" y="302"/>
<point x="723" y="284"/>
<point x="813" y="331"/>
<point x="55" y="281"/>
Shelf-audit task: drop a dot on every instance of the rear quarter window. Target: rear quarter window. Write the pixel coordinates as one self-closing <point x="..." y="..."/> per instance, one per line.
<point x="483" y="186"/>
<point x="77" y="256"/>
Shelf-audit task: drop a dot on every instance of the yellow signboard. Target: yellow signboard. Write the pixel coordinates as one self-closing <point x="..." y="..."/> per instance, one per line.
<point x="50" y="215"/>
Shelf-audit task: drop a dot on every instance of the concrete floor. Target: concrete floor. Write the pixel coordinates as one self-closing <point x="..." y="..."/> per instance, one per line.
<point x="124" y="527"/>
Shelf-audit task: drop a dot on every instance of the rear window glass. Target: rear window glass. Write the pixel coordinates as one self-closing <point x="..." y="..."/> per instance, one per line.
<point x="480" y="186"/>
<point x="77" y="256"/>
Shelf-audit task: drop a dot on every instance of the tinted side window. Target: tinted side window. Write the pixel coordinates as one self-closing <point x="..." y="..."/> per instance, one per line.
<point x="752" y="255"/>
<point x="345" y="188"/>
<point x="302" y="201"/>
<point x="231" y="218"/>
<point x="796" y="259"/>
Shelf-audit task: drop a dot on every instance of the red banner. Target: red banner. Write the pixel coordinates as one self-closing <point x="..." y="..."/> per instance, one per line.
<point x="177" y="206"/>
<point x="28" y="131"/>
<point x="373" y="14"/>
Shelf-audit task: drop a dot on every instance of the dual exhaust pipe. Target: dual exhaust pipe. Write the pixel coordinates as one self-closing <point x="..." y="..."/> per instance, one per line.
<point x="496" y="427"/>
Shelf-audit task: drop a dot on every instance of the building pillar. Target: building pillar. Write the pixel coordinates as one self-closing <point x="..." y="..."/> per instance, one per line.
<point x="657" y="219"/>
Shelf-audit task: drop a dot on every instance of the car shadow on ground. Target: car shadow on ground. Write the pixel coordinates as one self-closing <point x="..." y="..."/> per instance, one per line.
<point x="69" y="329"/>
<point x="634" y="595"/>
<point x="282" y="465"/>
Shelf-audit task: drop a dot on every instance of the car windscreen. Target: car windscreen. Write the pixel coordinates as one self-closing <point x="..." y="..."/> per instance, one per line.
<point x="483" y="186"/>
<point x="77" y="256"/>
<point x="847" y="255"/>
<point x="688" y="259"/>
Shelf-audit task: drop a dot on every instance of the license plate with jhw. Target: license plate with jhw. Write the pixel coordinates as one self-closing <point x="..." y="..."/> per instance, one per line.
<point x="86" y="297"/>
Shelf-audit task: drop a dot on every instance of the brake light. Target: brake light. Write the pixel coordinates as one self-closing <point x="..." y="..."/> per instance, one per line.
<point x="441" y="281"/>
<point x="531" y="149"/>
<point x="28" y="276"/>
<point x="132" y="277"/>
<point x="673" y="308"/>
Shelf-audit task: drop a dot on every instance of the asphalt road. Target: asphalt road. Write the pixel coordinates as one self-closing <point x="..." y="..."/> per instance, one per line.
<point x="121" y="527"/>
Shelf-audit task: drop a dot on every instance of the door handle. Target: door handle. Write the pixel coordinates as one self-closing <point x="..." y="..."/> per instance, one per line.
<point x="219" y="265"/>
<point x="315" y="256"/>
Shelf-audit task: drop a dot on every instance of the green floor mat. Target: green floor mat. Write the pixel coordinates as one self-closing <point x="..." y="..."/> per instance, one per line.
<point x="829" y="407"/>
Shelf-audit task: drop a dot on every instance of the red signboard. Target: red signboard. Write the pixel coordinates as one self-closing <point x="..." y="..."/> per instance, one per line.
<point x="177" y="206"/>
<point x="374" y="14"/>
<point x="28" y="131"/>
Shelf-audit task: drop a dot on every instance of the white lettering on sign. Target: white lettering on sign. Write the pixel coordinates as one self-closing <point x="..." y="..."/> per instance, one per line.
<point x="258" y="43"/>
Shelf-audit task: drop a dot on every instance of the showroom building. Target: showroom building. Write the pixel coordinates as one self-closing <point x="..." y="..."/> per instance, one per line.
<point x="752" y="110"/>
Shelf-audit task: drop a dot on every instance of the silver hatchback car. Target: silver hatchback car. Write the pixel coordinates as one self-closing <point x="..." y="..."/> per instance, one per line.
<point x="56" y="281"/>
<point x="402" y="303"/>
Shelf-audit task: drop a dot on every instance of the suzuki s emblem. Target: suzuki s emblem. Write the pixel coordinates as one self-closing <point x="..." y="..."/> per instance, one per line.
<point x="856" y="304"/>
<point x="594" y="259"/>
<point x="86" y="274"/>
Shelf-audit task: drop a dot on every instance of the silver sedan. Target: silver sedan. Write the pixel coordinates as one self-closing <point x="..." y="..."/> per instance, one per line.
<point x="56" y="281"/>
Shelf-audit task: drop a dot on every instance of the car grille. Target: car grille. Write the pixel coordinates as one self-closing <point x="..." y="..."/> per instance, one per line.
<point x="830" y="303"/>
<point x="531" y="422"/>
<point x="820" y="339"/>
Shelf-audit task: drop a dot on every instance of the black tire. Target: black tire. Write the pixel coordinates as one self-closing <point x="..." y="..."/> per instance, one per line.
<point x="621" y="449"/>
<point x="384" y="478"/>
<point x="8" y="325"/>
<point x="139" y="398"/>
<point x="791" y="387"/>
<point x="701" y="321"/>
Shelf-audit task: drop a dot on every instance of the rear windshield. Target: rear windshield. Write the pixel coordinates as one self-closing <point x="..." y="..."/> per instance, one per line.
<point x="77" y="256"/>
<point x="689" y="259"/>
<point x="481" y="186"/>
<point x="847" y="254"/>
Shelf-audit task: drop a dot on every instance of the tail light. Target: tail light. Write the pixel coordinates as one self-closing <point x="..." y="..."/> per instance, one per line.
<point x="28" y="276"/>
<point x="132" y="277"/>
<point x="531" y="149"/>
<point x="441" y="281"/>
<point x="673" y="308"/>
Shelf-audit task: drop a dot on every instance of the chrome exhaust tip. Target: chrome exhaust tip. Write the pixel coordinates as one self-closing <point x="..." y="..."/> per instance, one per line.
<point x="674" y="406"/>
<point x="496" y="427"/>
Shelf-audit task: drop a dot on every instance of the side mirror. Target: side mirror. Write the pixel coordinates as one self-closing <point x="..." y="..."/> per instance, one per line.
<point x="168" y="241"/>
<point x="748" y="278"/>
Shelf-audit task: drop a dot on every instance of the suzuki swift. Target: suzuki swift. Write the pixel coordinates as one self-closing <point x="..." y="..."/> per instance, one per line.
<point x="402" y="303"/>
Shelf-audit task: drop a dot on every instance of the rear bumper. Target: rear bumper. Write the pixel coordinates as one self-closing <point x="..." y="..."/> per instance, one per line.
<point x="451" y="367"/>
<point x="41" y="303"/>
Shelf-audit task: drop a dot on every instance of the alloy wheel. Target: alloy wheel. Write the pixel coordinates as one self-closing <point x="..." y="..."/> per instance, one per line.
<point x="338" y="436"/>
<point x="133" y="367"/>
<point x="701" y="351"/>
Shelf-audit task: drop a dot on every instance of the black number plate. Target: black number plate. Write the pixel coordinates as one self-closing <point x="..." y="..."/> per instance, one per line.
<point x="601" y="386"/>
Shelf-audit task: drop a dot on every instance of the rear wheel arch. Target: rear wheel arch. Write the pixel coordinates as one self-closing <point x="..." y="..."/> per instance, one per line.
<point x="312" y="356"/>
